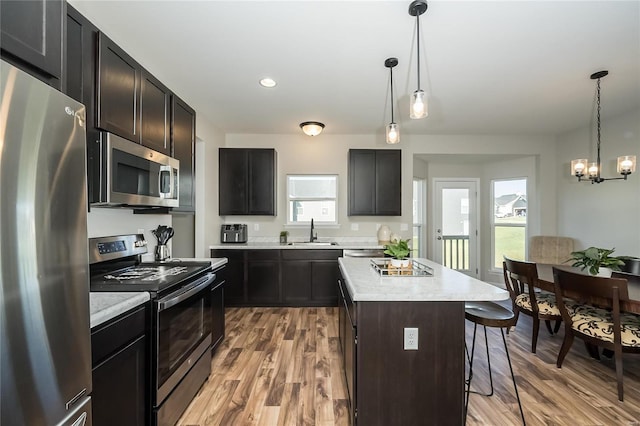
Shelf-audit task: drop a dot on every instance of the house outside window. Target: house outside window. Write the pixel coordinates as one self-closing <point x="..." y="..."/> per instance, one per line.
<point x="312" y="197"/>
<point x="509" y="219"/>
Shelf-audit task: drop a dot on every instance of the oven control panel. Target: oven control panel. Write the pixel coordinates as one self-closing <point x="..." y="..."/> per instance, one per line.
<point x="116" y="247"/>
<point x="112" y="247"/>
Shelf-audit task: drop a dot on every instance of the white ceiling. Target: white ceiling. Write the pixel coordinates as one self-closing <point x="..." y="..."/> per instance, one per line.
<point x="508" y="67"/>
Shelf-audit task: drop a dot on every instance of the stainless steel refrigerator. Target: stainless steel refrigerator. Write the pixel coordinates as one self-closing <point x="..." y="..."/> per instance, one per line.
<point x="44" y="266"/>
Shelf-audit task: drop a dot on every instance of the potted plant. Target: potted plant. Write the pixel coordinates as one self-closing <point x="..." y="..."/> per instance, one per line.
<point x="595" y="259"/>
<point x="399" y="251"/>
<point x="283" y="237"/>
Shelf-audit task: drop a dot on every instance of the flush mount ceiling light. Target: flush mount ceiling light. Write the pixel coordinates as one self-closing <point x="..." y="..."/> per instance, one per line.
<point x="268" y="82"/>
<point x="418" y="107"/>
<point x="626" y="163"/>
<point x="312" y="128"/>
<point x="393" y="131"/>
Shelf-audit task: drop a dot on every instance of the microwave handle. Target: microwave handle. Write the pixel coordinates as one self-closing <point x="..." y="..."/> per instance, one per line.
<point x="168" y="169"/>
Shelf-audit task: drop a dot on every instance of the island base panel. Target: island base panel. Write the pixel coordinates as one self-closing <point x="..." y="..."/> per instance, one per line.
<point x="418" y="387"/>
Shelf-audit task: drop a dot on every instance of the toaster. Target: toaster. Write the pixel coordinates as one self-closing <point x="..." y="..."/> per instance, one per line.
<point x="234" y="233"/>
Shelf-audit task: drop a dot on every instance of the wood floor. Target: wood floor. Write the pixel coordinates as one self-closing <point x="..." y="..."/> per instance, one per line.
<point x="281" y="366"/>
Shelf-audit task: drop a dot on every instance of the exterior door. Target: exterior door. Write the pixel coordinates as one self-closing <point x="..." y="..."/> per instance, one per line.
<point x="455" y="226"/>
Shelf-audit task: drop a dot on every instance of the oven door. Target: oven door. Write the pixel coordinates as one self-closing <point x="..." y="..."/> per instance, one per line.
<point x="183" y="333"/>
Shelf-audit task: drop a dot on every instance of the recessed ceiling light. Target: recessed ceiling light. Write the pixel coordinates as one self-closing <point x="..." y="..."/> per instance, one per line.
<point x="267" y="82"/>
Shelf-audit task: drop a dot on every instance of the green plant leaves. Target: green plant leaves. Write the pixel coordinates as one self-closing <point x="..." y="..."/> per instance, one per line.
<point x="398" y="250"/>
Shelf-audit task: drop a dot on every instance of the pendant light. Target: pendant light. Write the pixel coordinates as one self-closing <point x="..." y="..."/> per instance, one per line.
<point x="418" y="107"/>
<point x="626" y="163"/>
<point x="393" y="131"/>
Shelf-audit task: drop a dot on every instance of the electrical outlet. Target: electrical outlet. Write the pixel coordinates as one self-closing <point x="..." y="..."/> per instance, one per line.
<point x="404" y="227"/>
<point x="354" y="227"/>
<point x="410" y="338"/>
<point x="140" y="231"/>
<point x="256" y="226"/>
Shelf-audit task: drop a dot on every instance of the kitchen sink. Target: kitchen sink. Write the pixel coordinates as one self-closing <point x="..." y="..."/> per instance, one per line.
<point x="313" y="244"/>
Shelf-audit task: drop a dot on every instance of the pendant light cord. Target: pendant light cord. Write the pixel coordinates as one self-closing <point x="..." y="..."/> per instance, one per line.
<point x="391" y="70"/>
<point x="418" y="44"/>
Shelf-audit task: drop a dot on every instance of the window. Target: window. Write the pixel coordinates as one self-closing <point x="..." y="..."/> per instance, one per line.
<point x="312" y="197"/>
<point x="509" y="219"/>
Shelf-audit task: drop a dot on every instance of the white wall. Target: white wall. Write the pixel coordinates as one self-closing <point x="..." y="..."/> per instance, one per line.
<point x="606" y="214"/>
<point x="324" y="154"/>
<point x="209" y="139"/>
<point x="103" y="222"/>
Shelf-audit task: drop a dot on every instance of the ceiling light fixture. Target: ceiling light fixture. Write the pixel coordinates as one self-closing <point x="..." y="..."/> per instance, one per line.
<point x="418" y="107"/>
<point x="268" y="82"/>
<point x="626" y="163"/>
<point x="393" y="131"/>
<point x="312" y="128"/>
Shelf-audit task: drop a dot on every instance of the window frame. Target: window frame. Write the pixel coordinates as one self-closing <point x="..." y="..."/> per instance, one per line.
<point x="492" y="221"/>
<point x="335" y="199"/>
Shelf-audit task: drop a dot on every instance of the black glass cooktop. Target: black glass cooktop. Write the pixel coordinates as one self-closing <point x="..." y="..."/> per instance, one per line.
<point x="152" y="277"/>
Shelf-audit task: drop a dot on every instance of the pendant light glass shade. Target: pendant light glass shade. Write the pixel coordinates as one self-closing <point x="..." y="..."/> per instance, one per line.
<point x="418" y="107"/>
<point x="393" y="133"/>
<point x="626" y="164"/>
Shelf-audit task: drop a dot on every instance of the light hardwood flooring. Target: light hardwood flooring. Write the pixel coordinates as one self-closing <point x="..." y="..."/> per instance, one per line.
<point x="282" y="366"/>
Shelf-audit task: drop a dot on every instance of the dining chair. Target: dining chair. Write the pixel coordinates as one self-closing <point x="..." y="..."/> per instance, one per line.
<point x="521" y="279"/>
<point x="596" y="317"/>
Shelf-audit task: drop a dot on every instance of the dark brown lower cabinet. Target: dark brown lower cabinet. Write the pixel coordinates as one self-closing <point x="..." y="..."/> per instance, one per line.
<point x="121" y="379"/>
<point x="389" y="385"/>
<point x="271" y="277"/>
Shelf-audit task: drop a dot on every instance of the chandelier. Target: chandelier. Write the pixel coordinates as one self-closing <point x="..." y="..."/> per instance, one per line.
<point x="626" y="163"/>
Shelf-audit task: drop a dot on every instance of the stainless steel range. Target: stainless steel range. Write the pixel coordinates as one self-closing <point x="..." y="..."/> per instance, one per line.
<point x="181" y="317"/>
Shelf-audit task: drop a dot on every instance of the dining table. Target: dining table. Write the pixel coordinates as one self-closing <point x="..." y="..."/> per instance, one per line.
<point x="545" y="281"/>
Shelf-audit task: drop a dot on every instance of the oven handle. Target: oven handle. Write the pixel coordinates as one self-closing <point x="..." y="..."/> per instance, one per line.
<point x="185" y="292"/>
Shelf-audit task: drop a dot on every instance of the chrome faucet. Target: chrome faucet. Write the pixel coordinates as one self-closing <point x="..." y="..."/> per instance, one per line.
<point x="312" y="238"/>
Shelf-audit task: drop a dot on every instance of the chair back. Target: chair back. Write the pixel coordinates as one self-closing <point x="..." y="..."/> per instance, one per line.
<point x="518" y="275"/>
<point x="583" y="287"/>
<point x="550" y="249"/>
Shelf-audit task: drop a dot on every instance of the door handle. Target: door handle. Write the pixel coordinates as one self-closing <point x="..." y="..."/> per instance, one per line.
<point x="439" y="238"/>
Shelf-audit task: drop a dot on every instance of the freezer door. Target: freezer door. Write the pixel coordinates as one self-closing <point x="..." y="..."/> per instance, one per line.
<point x="44" y="314"/>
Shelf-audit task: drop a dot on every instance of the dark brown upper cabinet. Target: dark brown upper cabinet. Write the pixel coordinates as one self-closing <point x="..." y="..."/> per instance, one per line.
<point x="247" y="179"/>
<point x="118" y="90"/>
<point x="375" y="181"/>
<point x="183" y="131"/>
<point x="31" y="37"/>
<point x="155" y="104"/>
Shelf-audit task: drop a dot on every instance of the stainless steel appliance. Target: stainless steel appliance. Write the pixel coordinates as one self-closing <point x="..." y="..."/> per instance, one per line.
<point x="133" y="175"/>
<point x="234" y="233"/>
<point x="181" y="317"/>
<point x="45" y="347"/>
<point x="363" y="253"/>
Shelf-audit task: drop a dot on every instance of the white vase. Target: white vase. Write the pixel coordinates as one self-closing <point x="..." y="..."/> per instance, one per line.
<point x="400" y="263"/>
<point x="604" y="272"/>
<point x="384" y="234"/>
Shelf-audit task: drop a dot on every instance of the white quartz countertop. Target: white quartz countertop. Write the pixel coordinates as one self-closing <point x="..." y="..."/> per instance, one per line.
<point x="105" y="306"/>
<point x="365" y="284"/>
<point x="265" y="245"/>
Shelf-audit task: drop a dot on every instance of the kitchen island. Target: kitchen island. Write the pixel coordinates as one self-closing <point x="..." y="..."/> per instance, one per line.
<point x="386" y="383"/>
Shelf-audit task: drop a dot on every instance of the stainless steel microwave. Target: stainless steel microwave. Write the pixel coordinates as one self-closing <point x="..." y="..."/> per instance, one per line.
<point x="133" y="175"/>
